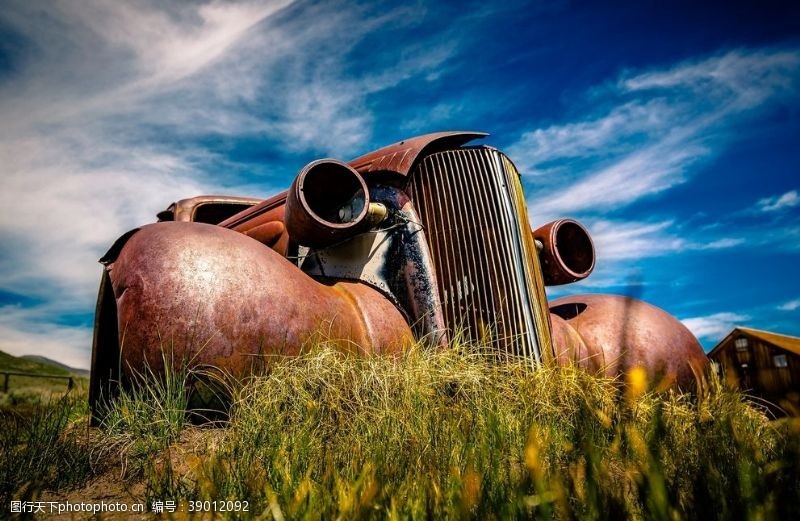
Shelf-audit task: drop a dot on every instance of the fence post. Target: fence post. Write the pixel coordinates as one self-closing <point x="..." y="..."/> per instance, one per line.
<point x="70" y="384"/>
<point x="5" y="383"/>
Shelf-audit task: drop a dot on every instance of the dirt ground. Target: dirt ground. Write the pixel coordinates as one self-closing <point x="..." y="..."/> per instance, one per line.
<point x="114" y="485"/>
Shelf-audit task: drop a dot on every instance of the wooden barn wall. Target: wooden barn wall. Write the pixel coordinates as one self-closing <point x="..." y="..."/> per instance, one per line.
<point x="761" y="374"/>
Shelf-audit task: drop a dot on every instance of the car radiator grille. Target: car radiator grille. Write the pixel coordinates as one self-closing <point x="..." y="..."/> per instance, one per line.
<point x="471" y="205"/>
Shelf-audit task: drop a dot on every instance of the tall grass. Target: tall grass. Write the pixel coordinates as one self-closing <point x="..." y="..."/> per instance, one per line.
<point x="425" y="434"/>
<point x="42" y="447"/>
<point x="453" y="434"/>
<point x="143" y="421"/>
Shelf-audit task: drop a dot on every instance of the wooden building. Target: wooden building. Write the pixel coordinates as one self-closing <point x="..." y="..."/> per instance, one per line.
<point x="763" y="364"/>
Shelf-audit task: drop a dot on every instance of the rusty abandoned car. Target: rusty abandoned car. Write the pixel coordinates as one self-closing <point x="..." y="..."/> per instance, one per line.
<point x="417" y="240"/>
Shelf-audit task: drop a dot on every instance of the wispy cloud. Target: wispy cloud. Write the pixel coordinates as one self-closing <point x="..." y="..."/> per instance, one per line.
<point x="715" y="326"/>
<point x="109" y="109"/>
<point x="622" y="246"/>
<point x="58" y="210"/>
<point x="738" y="79"/>
<point x="651" y="169"/>
<point x="782" y="202"/>
<point x="645" y="133"/>
<point x="600" y="137"/>
<point x="97" y="59"/>
<point x="32" y="331"/>
<point x="652" y="129"/>
<point x="632" y="240"/>
<point x="113" y="109"/>
<point x="792" y="305"/>
<point x="617" y="240"/>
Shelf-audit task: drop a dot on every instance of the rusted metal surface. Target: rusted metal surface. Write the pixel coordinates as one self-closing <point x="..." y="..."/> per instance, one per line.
<point x="394" y="259"/>
<point x="486" y="271"/>
<point x="268" y="233"/>
<point x="400" y="157"/>
<point x="415" y="240"/>
<point x="327" y="203"/>
<point x="218" y="298"/>
<point x="185" y="210"/>
<point x="269" y="211"/>
<point x="396" y="159"/>
<point x="631" y="333"/>
<point x="571" y="349"/>
<point x="567" y="253"/>
<point x="267" y="207"/>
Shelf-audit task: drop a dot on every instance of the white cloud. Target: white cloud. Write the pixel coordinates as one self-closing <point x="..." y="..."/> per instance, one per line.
<point x="620" y="246"/>
<point x="216" y="67"/>
<point x="647" y="171"/>
<point x="772" y="204"/>
<point x="106" y="112"/>
<point x="653" y="129"/>
<point x="632" y="240"/>
<point x="735" y="81"/>
<point x="171" y="46"/>
<point x="59" y="211"/>
<point x="790" y="306"/>
<point x="96" y="59"/>
<point x="602" y="136"/>
<point x="716" y="326"/>
<point x="720" y="244"/>
<point x="623" y="240"/>
<point x="29" y="331"/>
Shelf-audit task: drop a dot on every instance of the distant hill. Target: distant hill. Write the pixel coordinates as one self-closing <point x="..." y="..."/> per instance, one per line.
<point x="47" y="361"/>
<point x="23" y="389"/>
<point x="38" y="365"/>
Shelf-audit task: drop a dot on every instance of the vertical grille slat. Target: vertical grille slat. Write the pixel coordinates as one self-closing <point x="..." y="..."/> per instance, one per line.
<point x="496" y="201"/>
<point x="445" y="236"/>
<point x="424" y="209"/>
<point x="503" y="324"/>
<point x="506" y="231"/>
<point x="468" y="286"/>
<point x="502" y="327"/>
<point x="470" y="207"/>
<point x="482" y="294"/>
<point x="492" y="274"/>
<point x="454" y="232"/>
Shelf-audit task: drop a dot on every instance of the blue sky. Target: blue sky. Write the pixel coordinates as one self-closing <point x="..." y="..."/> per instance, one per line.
<point x="672" y="131"/>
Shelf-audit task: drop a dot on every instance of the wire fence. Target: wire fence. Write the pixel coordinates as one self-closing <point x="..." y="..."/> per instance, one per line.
<point x="8" y="374"/>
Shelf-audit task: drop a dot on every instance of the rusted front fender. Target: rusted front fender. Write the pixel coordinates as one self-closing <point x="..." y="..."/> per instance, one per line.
<point x="613" y="334"/>
<point x="213" y="296"/>
<point x="570" y="348"/>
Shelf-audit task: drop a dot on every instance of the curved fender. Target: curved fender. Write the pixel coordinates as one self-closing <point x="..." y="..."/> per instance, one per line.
<point x="621" y="333"/>
<point x="216" y="297"/>
<point x="570" y="348"/>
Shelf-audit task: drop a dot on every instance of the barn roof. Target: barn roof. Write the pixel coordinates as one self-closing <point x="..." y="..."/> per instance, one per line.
<point x="789" y="343"/>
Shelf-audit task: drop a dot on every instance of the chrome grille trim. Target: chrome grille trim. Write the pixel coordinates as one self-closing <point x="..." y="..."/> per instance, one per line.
<point x="471" y="205"/>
